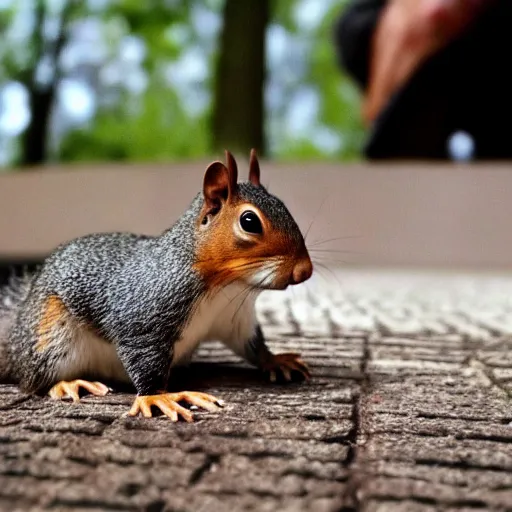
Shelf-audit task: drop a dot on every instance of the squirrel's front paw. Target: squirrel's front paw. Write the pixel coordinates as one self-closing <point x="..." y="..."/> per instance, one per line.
<point x="168" y="404"/>
<point x="286" y="363"/>
<point x="70" y="389"/>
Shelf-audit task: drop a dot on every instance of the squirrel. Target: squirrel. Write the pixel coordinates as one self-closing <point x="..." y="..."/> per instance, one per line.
<point x="126" y="307"/>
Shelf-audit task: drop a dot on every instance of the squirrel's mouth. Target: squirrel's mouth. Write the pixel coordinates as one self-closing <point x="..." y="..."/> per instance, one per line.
<point x="266" y="278"/>
<point x="279" y="275"/>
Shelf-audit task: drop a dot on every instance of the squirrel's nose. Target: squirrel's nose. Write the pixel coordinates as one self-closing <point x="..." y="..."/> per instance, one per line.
<point x="302" y="271"/>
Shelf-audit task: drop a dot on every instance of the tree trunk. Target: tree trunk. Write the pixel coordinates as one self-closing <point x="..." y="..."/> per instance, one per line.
<point x="35" y="137"/>
<point x="41" y="96"/>
<point x="238" y="117"/>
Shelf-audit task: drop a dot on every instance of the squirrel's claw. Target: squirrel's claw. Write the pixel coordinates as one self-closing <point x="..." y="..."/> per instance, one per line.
<point x="168" y="404"/>
<point x="286" y="363"/>
<point x="70" y="389"/>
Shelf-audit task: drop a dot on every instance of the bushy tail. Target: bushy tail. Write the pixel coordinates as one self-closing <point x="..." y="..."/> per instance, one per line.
<point x="11" y="296"/>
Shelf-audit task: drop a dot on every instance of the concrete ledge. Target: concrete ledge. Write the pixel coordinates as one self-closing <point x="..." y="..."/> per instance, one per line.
<point x="388" y="214"/>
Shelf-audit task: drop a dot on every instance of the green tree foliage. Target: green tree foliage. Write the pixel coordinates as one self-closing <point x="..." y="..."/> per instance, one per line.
<point x="160" y="131"/>
<point x="166" y="118"/>
<point x="338" y="116"/>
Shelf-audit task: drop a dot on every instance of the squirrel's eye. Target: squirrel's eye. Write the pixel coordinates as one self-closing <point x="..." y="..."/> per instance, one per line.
<point x="251" y="223"/>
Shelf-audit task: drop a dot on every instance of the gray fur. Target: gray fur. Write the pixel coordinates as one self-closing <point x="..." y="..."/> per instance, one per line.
<point x="11" y="296"/>
<point x="134" y="292"/>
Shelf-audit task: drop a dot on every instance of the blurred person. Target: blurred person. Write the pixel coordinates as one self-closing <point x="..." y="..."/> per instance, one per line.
<point x="434" y="76"/>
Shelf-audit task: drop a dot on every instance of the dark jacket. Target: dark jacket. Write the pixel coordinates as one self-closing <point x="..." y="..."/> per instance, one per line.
<point x="467" y="86"/>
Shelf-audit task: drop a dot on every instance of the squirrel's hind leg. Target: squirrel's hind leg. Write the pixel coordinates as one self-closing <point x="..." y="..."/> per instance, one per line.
<point x="70" y="389"/>
<point x="58" y="351"/>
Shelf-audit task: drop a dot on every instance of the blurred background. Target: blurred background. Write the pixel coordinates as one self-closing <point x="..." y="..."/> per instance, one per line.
<point x="128" y="81"/>
<point x="369" y="117"/>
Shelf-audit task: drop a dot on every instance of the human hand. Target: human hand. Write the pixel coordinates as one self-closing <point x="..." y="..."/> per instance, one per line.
<point x="409" y="32"/>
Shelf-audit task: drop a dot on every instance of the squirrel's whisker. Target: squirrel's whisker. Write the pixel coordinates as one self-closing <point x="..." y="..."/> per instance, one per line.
<point x="316" y="215"/>
<point x="327" y="269"/>
<point x="335" y="251"/>
<point x="250" y="289"/>
<point x="327" y="240"/>
<point x="326" y="260"/>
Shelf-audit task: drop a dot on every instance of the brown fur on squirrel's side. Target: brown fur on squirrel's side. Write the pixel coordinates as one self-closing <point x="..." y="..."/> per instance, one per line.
<point x="129" y="307"/>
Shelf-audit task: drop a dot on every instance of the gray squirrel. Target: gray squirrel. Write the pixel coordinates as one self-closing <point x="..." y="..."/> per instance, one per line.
<point x="127" y="307"/>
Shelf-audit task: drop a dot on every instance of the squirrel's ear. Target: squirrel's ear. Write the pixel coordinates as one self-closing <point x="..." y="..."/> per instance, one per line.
<point x="232" y="171"/>
<point x="216" y="185"/>
<point x="254" y="169"/>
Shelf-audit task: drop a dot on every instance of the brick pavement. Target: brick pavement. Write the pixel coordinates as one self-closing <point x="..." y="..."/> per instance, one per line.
<point x="409" y="410"/>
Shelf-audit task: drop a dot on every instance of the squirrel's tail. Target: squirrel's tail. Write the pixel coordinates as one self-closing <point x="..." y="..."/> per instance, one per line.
<point x="11" y="296"/>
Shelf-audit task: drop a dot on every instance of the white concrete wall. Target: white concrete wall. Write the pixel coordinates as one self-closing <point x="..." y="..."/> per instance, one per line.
<point x="406" y="214"/>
